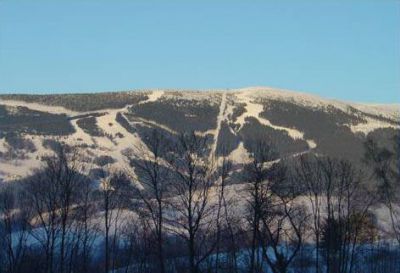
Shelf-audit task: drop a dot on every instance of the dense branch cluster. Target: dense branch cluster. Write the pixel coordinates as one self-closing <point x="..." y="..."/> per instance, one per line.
<point x="181" y="210"/>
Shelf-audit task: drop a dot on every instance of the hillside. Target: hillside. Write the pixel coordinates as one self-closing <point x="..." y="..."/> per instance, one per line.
<point x="109" y="125"/>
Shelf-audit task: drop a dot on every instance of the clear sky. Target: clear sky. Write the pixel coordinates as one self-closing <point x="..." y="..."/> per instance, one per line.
<point x="347" y="50"/>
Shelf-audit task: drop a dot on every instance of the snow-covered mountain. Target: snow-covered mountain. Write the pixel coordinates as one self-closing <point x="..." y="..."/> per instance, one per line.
<point x="107" y="126"/>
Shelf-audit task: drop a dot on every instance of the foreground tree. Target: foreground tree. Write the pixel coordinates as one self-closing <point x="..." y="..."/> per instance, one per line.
<point x="259" y="190"/>
<point x="85" y="228"/>
<point x="13" y="245"/>
<point x="222" y="218"/>
<point x="193" y="213"/>
<point x="52" y="192"/>
<point x="154" y="175"/>
<point x="347" y="205"/>
<point x="309" y="175"/>
<point x="340" y="202"/>
<point x="284" y="221"/>
<point x="385" y="163"/>
<point x="277" y="222"/>
<point x="113" y="196"/>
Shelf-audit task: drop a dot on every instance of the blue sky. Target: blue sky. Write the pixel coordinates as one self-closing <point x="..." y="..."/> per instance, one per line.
<point x="347" y="50"/>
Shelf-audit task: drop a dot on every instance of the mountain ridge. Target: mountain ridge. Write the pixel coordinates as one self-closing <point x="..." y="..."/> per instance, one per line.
<point x="271" y="91"/>
<point x="112" y="123"/>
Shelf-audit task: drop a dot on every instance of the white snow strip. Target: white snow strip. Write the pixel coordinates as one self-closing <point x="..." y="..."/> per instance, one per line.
<point x="386" y="110"/>
<point x="40" y="107"/>
<point x="144" y="121"/>
<point x="220" y="119"/>
<point x="371" y="125"/>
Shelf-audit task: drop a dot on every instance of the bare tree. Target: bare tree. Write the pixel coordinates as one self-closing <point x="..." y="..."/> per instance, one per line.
<point x="259" y="195"/>
<point x="86" y="229"/>
<point x="154" y="176"/>
<point x="283" y="221"/>
<point x="114" y="193"/>
<point x="139" y="244"/>
<point x="41" y="194"/>
<point x="13" y="230"/>
<point x="386" y="169"/>
<point x="347" y="203"/>
<point x="309" y="175"/>
<point x="52" y="191"/>
<point x="339" y="202"/>
<point x="193" y="213"/>
<point x="222" y="207"/>
<point x="65" y="170"/>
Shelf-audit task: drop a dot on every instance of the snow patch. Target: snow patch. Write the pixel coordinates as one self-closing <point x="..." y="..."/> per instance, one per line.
<point x="21" y="167"/>
<point x="311" y="143"/>
<point x="39" y="107"/>
<point x="154" y="96"/>
<point x="371" y="125"/>
<point x="239" y="155"/>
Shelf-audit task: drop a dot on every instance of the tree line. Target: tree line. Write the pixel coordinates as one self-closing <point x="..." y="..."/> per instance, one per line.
<point x="181" y="210"/>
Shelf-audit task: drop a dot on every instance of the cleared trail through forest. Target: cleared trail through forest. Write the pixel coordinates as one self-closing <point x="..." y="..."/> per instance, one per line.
<point x="220" y="118"/>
